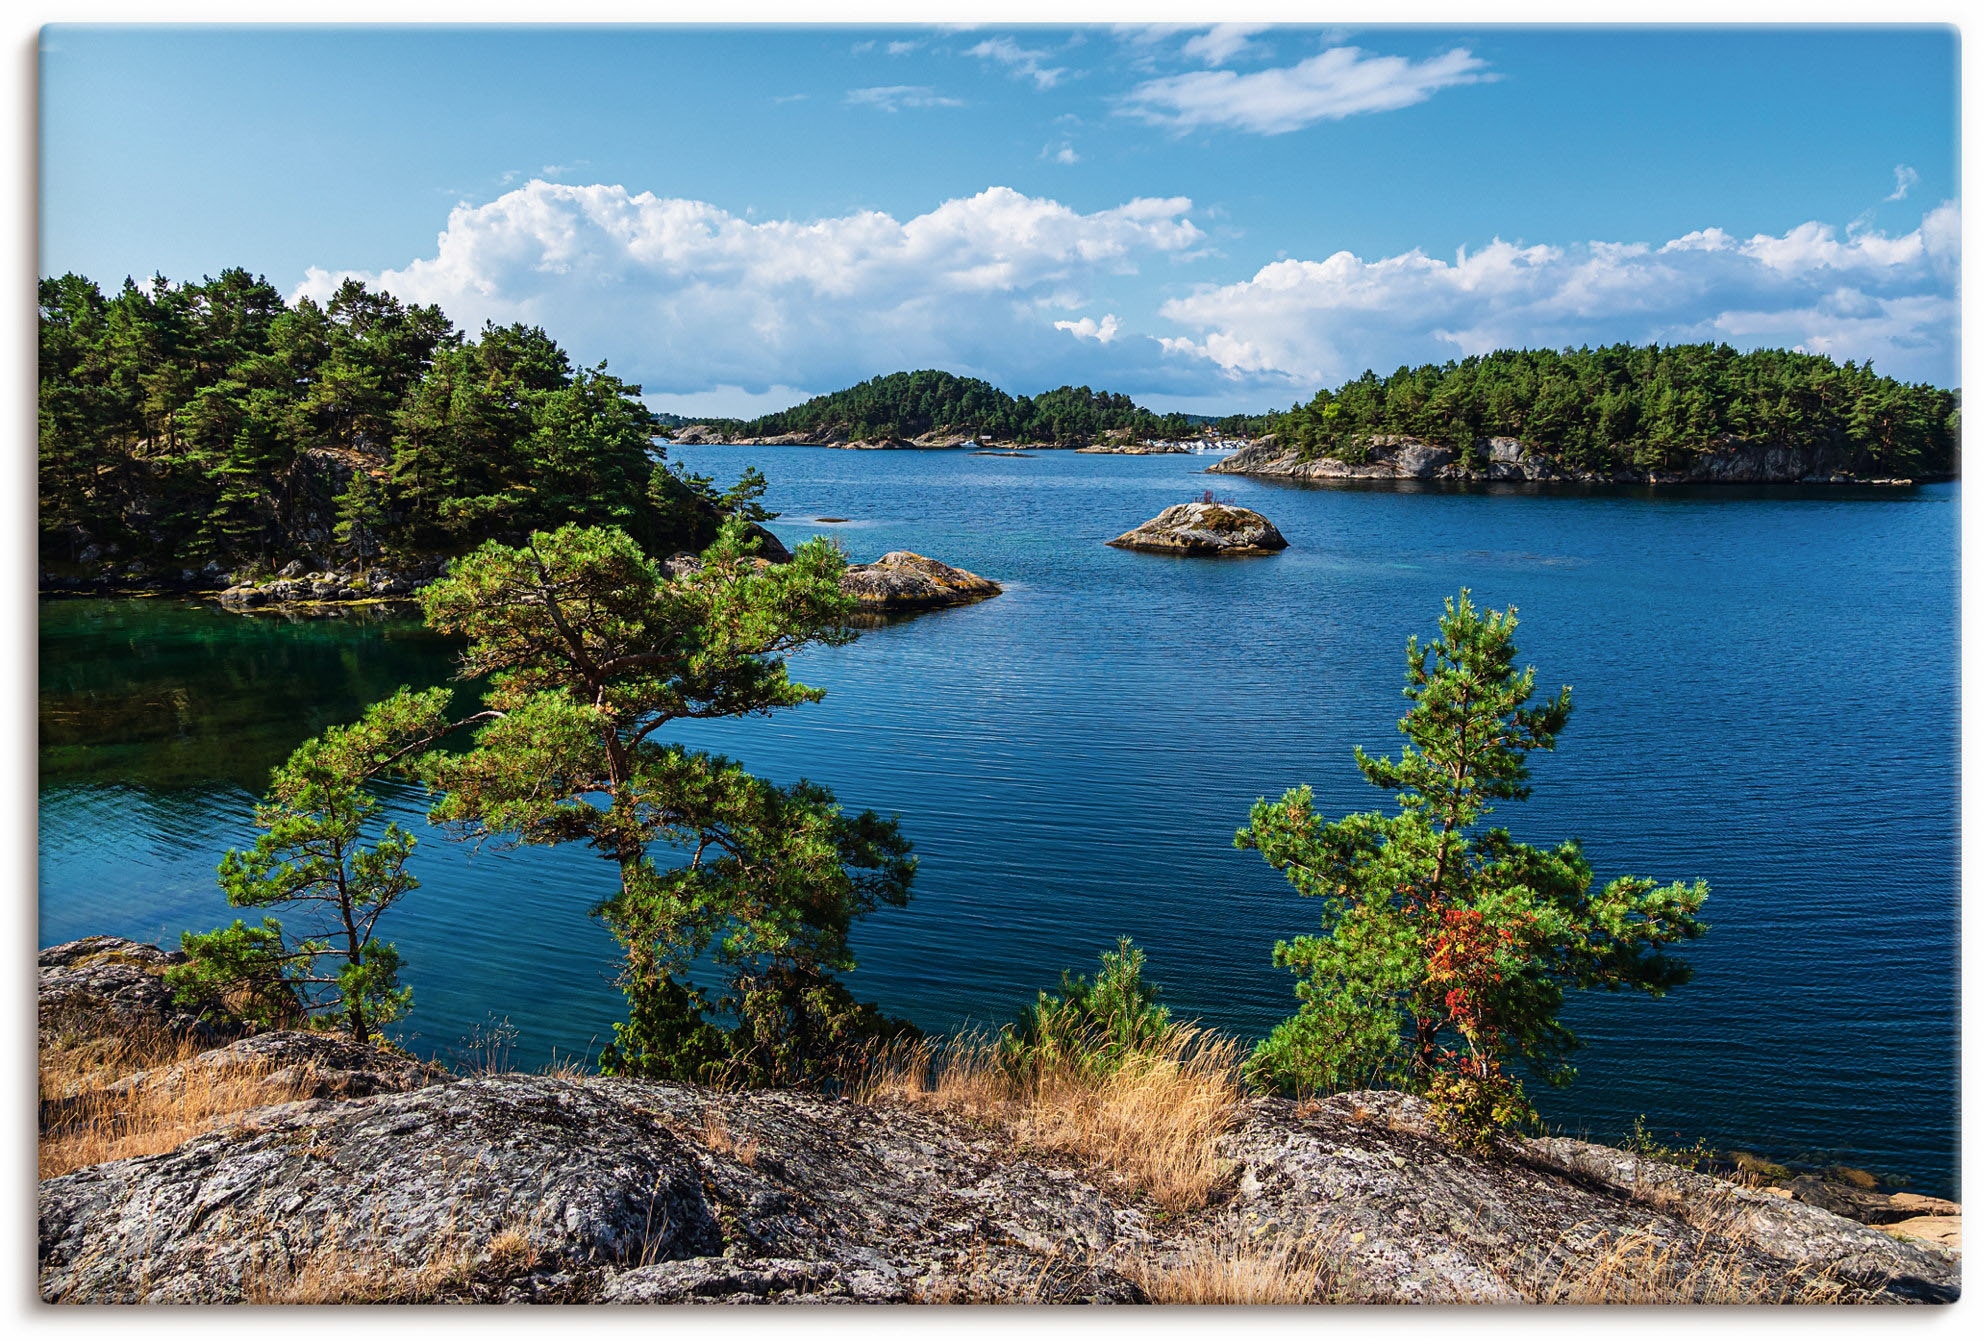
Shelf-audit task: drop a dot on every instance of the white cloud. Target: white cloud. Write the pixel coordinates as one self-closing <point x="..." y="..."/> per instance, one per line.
<point x="1333" y="84"/>
<point x="1088" y="328"/>
<point x="1024" y="62"/>
<point x="1309" y="323"/>
<point x="889" y="97"/>
<point x="1905" y="178"/>
<point x="1223" y="42"/>
<point x="1063" y="153"/>
<point x="902" y="48"/>
<point x="686" y="297"/>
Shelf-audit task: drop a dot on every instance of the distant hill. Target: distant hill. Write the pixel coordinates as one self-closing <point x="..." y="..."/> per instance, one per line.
<point x="932" y="402"/>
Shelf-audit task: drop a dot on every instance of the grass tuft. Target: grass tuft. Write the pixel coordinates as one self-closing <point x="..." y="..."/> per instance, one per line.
<point x="1151" y="1121"/>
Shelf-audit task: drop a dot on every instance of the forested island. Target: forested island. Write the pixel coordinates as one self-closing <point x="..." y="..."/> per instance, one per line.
<point x="1617" y="413"/>
<point x="1621" y="412"/>
<point x="934" y="408"/>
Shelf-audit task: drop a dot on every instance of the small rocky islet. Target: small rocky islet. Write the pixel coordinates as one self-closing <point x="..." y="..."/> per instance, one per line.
<point x="575" y="1188"/>
<point x="1204" y="527"/>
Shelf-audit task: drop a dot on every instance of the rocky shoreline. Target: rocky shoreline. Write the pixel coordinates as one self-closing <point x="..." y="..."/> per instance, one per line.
<point x="1394" y="457"/>
<point x="383" y="1178"/>
<point x="702" y="435"/>
<point x="899" y="581"/>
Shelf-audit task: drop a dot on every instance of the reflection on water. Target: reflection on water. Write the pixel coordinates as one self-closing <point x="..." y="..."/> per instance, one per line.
<point x="1765" y="686"/>
<point x="177" y="693"/>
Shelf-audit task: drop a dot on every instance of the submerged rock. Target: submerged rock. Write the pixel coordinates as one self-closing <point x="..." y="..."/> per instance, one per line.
<point x="1205" y="529"/>
<point x="902" y="580"/>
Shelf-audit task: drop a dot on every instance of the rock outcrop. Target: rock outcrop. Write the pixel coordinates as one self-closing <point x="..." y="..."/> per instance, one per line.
<point x="1393" y="457"/>
<point x="1205" y="529"/>
<point x="295" y="585"/>
<point x="105" y="986"/>
<point x="903" y="581"/>
<point x="533" y="1188"/>
<point x="373" y="1176"/>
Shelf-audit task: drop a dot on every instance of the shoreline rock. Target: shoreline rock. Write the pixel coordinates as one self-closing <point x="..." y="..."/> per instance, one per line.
<point x="902" y="580"/>
<point x="1133" y="449"/>
<point x="1204" y="528"/>
<point x="1399" y="457"/>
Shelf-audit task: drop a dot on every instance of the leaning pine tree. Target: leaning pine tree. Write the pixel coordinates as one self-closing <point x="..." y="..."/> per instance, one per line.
<point x="593" y="651"/>
<point x="1447" y="947"/>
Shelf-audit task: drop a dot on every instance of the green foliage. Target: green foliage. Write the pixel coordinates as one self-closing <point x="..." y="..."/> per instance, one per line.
<point x="1090" y="1025"/>
<point x="314" y="858"/>
<point x="590" y="650"/>
<point x="187" y="423"/>
<point x="909" y="405"/>
<point x="239" y="972"/>
<point x="1447" y="947"/>
<point x="1645" y="1145"/>
<point x="1637" y="408"/>
<point x="691" y="508"/>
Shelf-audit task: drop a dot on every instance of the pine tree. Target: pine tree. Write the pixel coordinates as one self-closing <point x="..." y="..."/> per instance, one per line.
<point x="1447" y="947"/>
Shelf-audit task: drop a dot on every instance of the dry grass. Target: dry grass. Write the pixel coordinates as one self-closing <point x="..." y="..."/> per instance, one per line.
<point x="1151" y="1122"/>
<point x="83" y="1123"/>
<point x="341" y="1270"/>
<point x="1637" y="1269"/>
<point x="716" y="1135"/>
<point x="1244" y="1272"/>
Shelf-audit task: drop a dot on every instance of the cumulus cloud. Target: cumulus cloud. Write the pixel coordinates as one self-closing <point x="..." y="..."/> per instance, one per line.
<point x="1866" y="295"/>
<point x="1088" y="328"/>
<point x="1905" y="179"/>
<point x="1223" y="42"/>
<point x="889" y="97"/>
<point x="1023" y="62"/>
<point x="1329" y="86"/>
<point x="687" y="297"/>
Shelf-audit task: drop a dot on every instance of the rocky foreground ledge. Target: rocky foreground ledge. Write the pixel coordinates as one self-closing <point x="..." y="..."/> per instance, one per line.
<point x="412" y="1185"/>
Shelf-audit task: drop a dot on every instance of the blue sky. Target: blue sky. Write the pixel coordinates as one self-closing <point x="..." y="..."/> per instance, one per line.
<point x="1213" y="219"/>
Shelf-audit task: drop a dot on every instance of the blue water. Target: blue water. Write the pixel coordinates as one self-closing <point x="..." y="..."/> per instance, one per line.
<point x="1765" y="685"/>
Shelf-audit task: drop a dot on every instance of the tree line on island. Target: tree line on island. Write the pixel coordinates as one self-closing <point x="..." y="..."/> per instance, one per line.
<point x="182" y="425"/>
<point x="1636" y="407"/>
<point x="932" y="402"/>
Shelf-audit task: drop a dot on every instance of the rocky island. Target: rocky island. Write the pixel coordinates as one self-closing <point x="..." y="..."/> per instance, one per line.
<point x="1204" y="528"/>
<point x="300" y="1167"/>
<point x="902" y="580"/>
